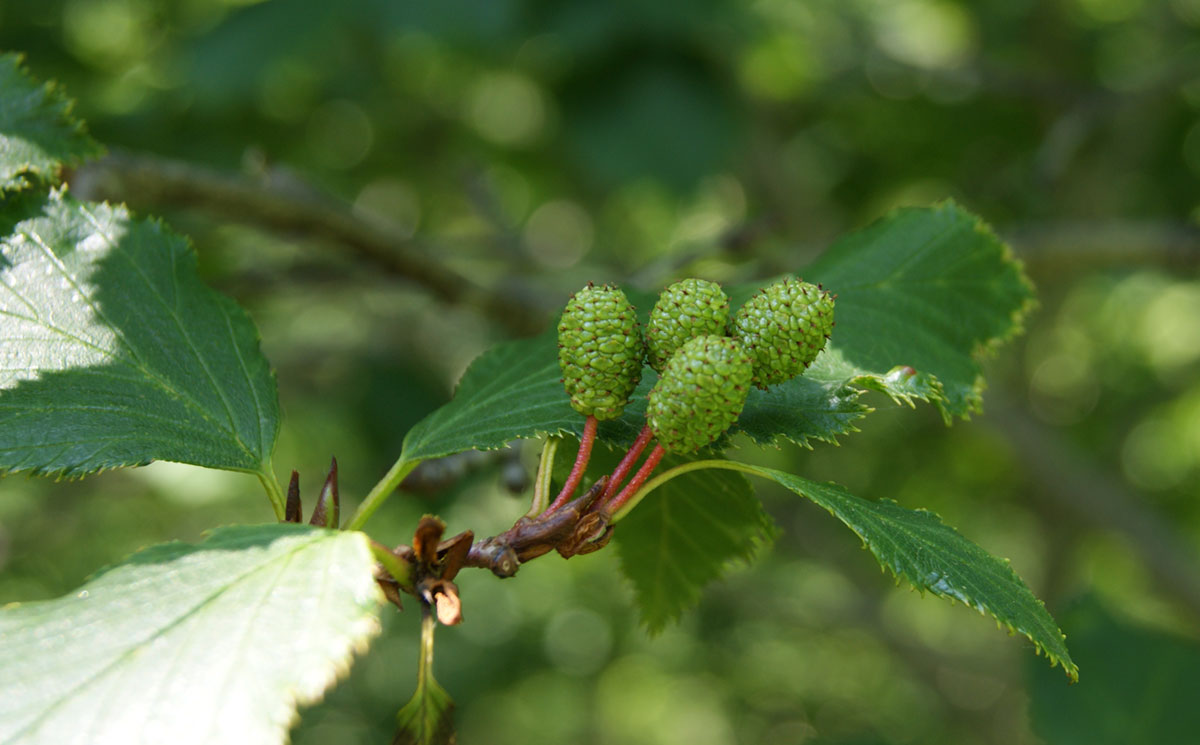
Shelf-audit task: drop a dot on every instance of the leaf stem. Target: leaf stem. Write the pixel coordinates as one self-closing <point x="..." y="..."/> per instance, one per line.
<point x="399" y="570"/>
<point x="381" y="491"/>
<point x="626" y="465"/>
<point x="425" y="660"/>
<point x="541" y="487"/>
<point x="624" y="508"/>
<point x="581" y="461"/>
<point x="266" y="477"/>
<point x="632" y="488"/>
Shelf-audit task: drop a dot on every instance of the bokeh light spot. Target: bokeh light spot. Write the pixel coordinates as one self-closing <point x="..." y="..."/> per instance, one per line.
<point x="578" y="641"/>
<point x="506" y="108"/>
<point x="340" y="134"/>
<point x="929" y="35"/>
<point x="558" y="234"/>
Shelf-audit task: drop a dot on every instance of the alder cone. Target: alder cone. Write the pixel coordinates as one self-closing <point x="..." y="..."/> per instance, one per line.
<point x="784" y="327"/>
<point x="685" y="310"/>
<point x="700" y="394"/>
<point x="600" y="351"/>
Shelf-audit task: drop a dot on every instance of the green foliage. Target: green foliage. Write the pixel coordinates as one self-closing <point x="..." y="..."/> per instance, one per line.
<point x="212" y="642"/>
<point x="37" y="132"/>
<point x="115" y="354"/>
<point x="427" y="717"/>
<point x="927" y="289"/>
<point x="953" y="292"/>
<point x="1140" y="688"/>
<point x="800" y="410"/>
<point x="875" y="132"/>
<point x="917" y="546"/>
<point x="684" y="535"/>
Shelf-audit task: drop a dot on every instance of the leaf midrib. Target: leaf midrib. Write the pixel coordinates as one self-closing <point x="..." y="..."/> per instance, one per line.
<point x="66" y="695"/>
<point x="134" y="360"/>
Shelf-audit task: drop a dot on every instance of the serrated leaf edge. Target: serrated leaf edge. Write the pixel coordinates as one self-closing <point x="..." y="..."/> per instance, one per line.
<point x="357" y="636"/>
<point x="1069" y="666"/>
<point x="63" y="107"/>
<point x="229" y="310"/>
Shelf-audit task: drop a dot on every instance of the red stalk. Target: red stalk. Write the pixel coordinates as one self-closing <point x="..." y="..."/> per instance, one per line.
<point x="581" y="461"/>
<point x="626" y="464"/>
<point x="636" y="482"/>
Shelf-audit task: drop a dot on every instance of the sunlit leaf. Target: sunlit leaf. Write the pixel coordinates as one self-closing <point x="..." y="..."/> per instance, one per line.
<point x="684" y="535"/>
<point x="191" y="643"/>
<point x="37" y="132"/>
<point x="113" y="353"/>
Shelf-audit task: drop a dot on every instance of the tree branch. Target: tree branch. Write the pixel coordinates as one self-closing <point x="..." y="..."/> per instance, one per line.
<point x="286" y="205"/>
<point x="1053" y="247"/>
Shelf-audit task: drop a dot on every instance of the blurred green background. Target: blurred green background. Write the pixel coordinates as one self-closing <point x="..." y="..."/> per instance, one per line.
<point x="528" y="146"/>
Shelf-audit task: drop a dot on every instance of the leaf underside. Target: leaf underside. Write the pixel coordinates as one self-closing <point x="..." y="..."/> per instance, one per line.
<point x="37" y="132"/>
<point x="191" y="643"/>
<point x="684" y="535"/>
<point x="917" y="546"/>
<point x="113" y="353"/>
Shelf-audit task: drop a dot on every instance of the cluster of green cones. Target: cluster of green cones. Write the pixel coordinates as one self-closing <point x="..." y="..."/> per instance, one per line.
<point x="707" y="360"/>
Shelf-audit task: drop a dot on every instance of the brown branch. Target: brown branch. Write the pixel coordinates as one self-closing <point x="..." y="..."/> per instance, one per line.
<point x="287" y="205"/>
<point x="1053" y="247"/>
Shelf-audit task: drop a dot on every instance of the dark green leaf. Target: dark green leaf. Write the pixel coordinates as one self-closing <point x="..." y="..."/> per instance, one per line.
<point x="1140" y="688"/>
<point x="930" y="289"/>
<point x="191" y="643"/>
<point x="114" y="353"/>
<point x="930" y="555"/>
<point x="37" y="132"/>
<point x="514" y="391"/>
<point x="427" y="717"/>
<point x="684" y="535"/>
<point x="800" y="410"/>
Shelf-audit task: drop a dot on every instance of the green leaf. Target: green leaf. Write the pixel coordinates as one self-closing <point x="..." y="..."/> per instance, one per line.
<point x="928" y="289"/>
<point x="917" y="546"/>
<point x="684" y="535"/>
<point x="1140" y="690"/>
<point x="191" y="643"/>
<point x="514" y="391"/>
<point x="426" y="718"/>
<point x="921" y="294"/>
<point x="800" y="410"/>
<point x="37" y="132"/>
<point x="113" y="353"/>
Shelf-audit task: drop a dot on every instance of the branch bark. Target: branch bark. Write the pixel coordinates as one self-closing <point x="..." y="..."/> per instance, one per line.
<point x="289" y="206"/>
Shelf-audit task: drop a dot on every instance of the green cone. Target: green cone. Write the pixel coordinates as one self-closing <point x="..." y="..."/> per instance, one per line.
<point x="685" y="310"/>
<point x="700" y="394"/>
<point x="783" y="328"/>
<point x="600" y="351"/>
